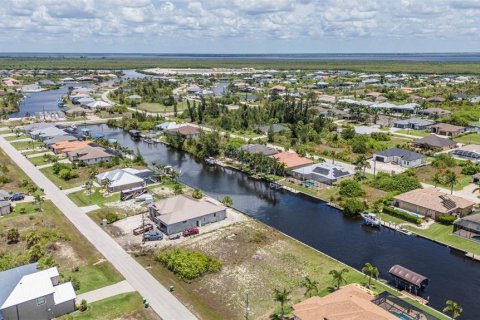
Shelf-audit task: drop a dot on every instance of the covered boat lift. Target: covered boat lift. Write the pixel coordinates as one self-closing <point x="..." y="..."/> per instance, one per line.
<point x="407" y="279"/>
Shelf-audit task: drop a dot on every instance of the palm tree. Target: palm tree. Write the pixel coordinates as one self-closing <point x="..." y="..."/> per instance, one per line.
<point x="92" y="172"/>
<point x="282" y="297"/>
<point x="454" y="308"/>
<point x="362" y="163"/>
<point x="89" y="187"/>
<point x="106" y="183"/>
<point x="38" y="200"/>
<point x="451" y="178"/>
<point x="370" y="271"/>
<point x="437" y="179"/>
<point x="311" y="287"/>
<point x="339" y="276"/>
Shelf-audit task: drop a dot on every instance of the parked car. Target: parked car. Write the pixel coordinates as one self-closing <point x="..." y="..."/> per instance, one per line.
<point x="190" y="232"/>
<point x="142" y="229"/>
<point x="152" y="235"/>
<point x="175" y="236"/>
<point x="17" y="197"/>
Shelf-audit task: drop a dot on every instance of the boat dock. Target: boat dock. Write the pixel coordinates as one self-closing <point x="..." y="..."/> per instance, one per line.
<point x="472" y="256"/>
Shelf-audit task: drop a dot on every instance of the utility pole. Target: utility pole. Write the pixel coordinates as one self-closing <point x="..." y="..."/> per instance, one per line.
<point x="374" y="167"/>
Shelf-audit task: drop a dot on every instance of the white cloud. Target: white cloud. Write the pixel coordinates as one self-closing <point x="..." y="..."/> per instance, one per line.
<point x="308" y="21"/>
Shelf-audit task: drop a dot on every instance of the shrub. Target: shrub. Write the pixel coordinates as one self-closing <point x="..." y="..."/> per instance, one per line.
<point x="188" y="265"/>
<point x="351" y="188"/>
<point x="13" y="236"/>
<point x="402" y="215"/>
<point x="353" y="206"/>
<point x="380" y="136"/>
<point x="46" y="262"/>
<point x="444" y="160"/>
<point x="67" y="174"/>
<point x="470" y="169"/>
<point x="112" y="217"/>
<point x="83" y="305"/>
<point x="446" y="219"/>
<point x="359" y="144"/>
<point x="400" y="183"/>
<point x="197" y="194"/>
<point x="227" y="201"/>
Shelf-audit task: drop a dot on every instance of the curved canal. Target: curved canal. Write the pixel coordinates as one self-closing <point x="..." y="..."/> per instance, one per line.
<point x="324" y="228"/>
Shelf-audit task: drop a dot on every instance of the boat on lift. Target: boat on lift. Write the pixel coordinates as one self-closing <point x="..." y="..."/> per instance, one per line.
<point x="210" y="161"/>
<point x="371" y="219"/>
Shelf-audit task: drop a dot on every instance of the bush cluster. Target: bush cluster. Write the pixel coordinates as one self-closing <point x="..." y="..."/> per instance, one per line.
<point x="188" y="265"/>
<point x="395" y="183"/>
<point x="446" y="219"/>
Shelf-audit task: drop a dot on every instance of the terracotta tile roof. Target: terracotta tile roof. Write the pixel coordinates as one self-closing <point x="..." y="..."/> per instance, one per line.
<point x="67" y="146"/>
<point x="347" y="303"/>
<point x="433" y="199"/>
<point x="291" y="159"/>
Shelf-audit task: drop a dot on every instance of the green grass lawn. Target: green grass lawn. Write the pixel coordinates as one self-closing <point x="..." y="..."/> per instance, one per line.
<point x="472" y="138"/>
<point x="12" y="138"/>
<point x="444" y="234"/>
<point x="158" y="107"/>
<point x="122" y="306"/>
<point x="82" y="199"/>
<point x="40" y="160"/>
<point x="22" y="145"/>
<point x="72" y="183"/>
<point x="419" y="133"/>
<point x="94" y="276"/>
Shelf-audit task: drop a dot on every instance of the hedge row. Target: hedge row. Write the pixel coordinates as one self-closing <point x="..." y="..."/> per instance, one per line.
<point x="402" y="215"/>
<point x="445" y="219"/>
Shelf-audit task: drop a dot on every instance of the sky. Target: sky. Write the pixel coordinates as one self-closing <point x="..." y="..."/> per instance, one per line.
<point x="240" y="26"/>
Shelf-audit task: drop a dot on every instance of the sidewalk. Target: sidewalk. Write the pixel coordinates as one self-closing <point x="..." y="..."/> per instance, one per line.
<point x="106" y="292"/>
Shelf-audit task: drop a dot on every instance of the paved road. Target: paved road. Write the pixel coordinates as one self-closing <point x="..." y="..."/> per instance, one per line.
<point x="106" y="292"/>
<point x="161" y="300"/>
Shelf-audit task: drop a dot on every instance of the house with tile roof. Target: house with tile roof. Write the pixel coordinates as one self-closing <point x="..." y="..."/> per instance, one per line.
<point x="431" y="202"/>
<point x="348" y="303"/>
<point x="89" y="155"/>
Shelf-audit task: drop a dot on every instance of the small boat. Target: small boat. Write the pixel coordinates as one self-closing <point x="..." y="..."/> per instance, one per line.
<point x="210" y="161"/>
<point x="371" y="219"/>
<point x="404" y="231"/>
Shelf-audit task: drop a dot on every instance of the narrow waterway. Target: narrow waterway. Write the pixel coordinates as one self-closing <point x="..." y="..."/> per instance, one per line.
<point x="324" y="228"/>
<point x="40" y="101"/>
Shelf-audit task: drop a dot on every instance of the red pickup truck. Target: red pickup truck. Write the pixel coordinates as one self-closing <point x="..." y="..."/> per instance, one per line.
<point x="190" y="231"/>
<point x="142" y="229"/>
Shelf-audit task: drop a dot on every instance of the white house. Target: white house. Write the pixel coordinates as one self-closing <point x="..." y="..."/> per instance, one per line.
<point x="405" y="158"/>
<point x="26" y="293"/>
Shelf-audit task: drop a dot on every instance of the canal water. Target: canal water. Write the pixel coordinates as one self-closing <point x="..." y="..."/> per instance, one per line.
<point x="324" y="228"/>
<point x="40" y="101"/>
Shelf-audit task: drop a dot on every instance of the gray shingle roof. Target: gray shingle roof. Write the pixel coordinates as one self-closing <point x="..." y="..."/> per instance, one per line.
<point x="435" y="141"/>
<point x="406" y="155"/>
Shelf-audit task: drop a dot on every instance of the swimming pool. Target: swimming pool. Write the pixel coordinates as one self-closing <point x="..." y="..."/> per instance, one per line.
<point x="401" y="316"/>
<point x="309" y="184"/>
